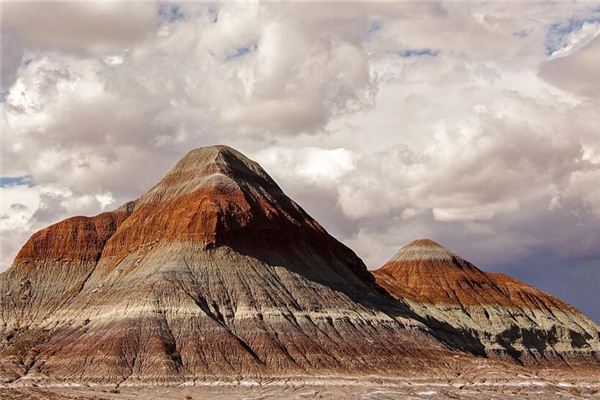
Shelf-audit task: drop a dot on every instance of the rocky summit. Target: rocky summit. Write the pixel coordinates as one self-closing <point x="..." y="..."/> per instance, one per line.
<point x="493" y="314"/>
<point x="215" y="274"/>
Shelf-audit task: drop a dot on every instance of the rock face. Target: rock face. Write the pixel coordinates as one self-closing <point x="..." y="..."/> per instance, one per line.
<point x="494" y="314"/>
<point x="213" y="273"/>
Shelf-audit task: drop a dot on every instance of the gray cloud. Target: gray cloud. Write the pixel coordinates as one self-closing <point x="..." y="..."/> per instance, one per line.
<point x="12" y="54"/>
<point x="576" y="72"/>
<point x="86" y="27"/>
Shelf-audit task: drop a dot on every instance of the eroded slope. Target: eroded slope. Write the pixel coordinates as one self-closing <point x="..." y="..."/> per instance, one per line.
<point x="497" y="315"/>
<point x="214" y="272"/>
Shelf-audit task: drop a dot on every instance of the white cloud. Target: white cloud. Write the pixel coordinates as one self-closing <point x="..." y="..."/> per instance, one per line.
<point x="310" y="164"/>
<point x="474" y="213"/>
<point x="19" y="203"/>
<point x="86" y="114"/>
<point x="583" y="186"/>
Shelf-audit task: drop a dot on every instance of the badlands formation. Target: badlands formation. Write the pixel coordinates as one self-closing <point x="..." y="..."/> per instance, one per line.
<point x="494" y="314"/>
<point x="215" y="275"/>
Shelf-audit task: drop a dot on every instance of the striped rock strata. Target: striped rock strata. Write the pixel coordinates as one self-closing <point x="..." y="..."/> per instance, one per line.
<point x="495" y="314"/>
<point x="213" y="273"/>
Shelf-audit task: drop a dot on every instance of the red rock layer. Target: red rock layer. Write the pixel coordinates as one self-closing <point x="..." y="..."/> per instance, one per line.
<point x="525" y="295"/>
<point x="74" y="239"/>
<point x="446" y="278"/>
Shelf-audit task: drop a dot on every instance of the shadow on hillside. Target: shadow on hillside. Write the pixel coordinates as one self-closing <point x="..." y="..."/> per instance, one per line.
<point x="328" y="262"/>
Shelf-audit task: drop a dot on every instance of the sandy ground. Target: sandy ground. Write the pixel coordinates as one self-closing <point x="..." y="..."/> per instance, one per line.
<point x="526" y="389"/>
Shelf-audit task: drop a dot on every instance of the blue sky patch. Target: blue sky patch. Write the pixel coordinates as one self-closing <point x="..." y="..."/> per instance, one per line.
<point x="24" y="180"/>
<point x="374" y="27"/>
<point x="172" y="12"/>
<point x="424" y="52"/>
<point x="558" y="32"/>
<point x="241" y="51"/>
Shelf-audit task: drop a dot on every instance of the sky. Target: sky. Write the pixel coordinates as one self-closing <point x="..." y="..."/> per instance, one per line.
<point x="475" y="125"/>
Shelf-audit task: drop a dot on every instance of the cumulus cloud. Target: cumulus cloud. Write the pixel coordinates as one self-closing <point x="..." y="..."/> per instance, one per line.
<point x="94" y="117"/>
<point x="310" y="164"/>
<point x="475" y="124"/>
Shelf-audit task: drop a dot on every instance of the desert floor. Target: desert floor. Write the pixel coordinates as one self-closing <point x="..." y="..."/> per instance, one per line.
<point x="518" y="389"/>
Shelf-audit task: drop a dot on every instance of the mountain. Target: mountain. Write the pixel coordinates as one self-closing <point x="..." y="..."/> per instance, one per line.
<point x="213" y="273"/>
<point x="496" y="315"/>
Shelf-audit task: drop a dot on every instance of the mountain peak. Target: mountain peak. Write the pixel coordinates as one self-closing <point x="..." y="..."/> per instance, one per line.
<point x="211" y="194"/>
<point x="424" y="242"/>
<point x="423" y="249"/>
<point x="201" y="157"/>
<point x="219" y="169"/>
<point x="220" y="158"/>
